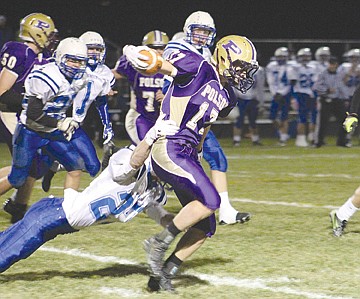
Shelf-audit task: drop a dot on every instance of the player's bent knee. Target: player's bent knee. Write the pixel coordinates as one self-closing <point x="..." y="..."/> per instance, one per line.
<point x="94" y="168"/>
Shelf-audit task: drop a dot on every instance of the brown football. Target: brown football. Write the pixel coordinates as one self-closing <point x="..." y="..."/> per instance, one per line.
<point x="155" y="61"/>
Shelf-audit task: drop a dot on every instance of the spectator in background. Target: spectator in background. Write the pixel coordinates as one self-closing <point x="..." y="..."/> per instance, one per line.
<point x="248" y="105"/>
<point x="329" y="88"/>
<point x="6" y="33"/>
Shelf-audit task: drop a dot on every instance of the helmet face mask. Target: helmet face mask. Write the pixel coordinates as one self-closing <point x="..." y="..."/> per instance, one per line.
<point x="281" y="55"/>
<point x="235" y="60"/>
<point x="200" y="29"/>
<point x="322" y="54"/>
<point x="96" y="47"/>
<point x="304" y="55"/>
<point x="39" y="29"/>
<point x="71" y="58"/>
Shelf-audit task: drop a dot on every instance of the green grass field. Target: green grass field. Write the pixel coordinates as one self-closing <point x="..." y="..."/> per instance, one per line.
<point x="285" y="251"/>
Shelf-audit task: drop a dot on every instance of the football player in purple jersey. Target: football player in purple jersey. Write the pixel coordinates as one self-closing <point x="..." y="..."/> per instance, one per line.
<point x="39" y="38"/>
<point x="198" y="35"/>
<point x="199" y="93"/>
<point x="146" y="91"/>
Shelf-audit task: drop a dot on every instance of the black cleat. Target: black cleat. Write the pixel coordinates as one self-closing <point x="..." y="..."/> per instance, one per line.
<point x="46" y="181"/>
<point x="153" y="284"/>
<point x="16" y="210"/>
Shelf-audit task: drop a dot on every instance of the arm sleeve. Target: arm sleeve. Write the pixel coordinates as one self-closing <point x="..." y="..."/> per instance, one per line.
<point x="102" y="107"/>
<point x="12" y="100"/>
<point x="35" y="113"/>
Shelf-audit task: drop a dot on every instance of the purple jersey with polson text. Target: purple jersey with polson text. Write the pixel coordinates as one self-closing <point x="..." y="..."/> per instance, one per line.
<point x="144" y="87"/>
<point x="195" y="97"/>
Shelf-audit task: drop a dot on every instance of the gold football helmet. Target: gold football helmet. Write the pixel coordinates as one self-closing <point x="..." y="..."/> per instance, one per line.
<point x="155" y="39"/>
<point x="236" y="61"/>
<point x="38" y="29"/>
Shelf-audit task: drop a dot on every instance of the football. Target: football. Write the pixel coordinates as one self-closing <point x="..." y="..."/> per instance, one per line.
<point x="155" y="61"/>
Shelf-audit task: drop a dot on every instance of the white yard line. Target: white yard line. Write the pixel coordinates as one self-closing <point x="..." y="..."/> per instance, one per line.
<point x="280" y="203"/>
<point x="257" y="283"/>
<point x="292" y="174"/>
<point x="292" y="157"/>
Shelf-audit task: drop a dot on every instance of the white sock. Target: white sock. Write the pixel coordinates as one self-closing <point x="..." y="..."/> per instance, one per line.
<point x="236" y="138"/>
<point x="311" y="136"/>
<point x="284" y="137"/>
<point x="346" y="210"/>
<point x="225" y="206"/>
<point x="255" y="138"/>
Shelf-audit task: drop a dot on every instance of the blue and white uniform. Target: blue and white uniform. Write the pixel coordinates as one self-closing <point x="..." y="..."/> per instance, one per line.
<point x="106" y="196"/>
<point x="99" y="83"/>
<point x="47" y="84"/>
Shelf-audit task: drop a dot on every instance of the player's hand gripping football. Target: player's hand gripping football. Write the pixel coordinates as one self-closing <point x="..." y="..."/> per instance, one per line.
<point x="134" y="56"/>
<point x="351" y="122"/>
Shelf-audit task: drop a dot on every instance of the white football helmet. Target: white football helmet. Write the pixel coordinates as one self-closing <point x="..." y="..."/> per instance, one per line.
<point x="354" y="56"/>
<point x="94" y="40"/>
<point x="281" y="55"/>
<point x="235" y="59"/>
<point x="304" y="55"/>
<point x="322" y="54"/>
<point x="73" y="49"/>
<point x="200" y="20"/>
<point x="179" y="35"/>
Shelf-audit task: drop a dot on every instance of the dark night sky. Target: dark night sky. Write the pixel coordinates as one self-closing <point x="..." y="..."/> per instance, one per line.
<point x="126" y="22"/>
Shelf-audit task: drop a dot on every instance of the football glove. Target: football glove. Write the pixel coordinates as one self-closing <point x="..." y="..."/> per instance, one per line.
<point x="108" y="150"/>
<point x="351" y="122"/>
<point x="68" y="126"/>
<point x="161" y="128"/>
<point x="136" y="59"/>
<point x="108" y="133"/>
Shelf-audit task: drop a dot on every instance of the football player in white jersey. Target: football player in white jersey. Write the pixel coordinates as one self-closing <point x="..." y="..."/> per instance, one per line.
<point x="303" y="80"/>
<point x="49" y="91"/>
<point x="100" y="80"/>
<point x="199" y="35"/>
<point x="277" y="76"/>
<point x="322" y="57"/>
<point x="249" y="104"/>
<point x="122" y="190"/>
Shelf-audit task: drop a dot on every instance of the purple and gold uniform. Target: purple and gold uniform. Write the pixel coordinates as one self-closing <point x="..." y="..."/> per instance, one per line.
<point x="193" y="100"/>
<point x="144" y="108"/>
<point x="18" y="58"/>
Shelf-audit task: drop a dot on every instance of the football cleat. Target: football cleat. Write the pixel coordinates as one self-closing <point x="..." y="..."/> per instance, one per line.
<point x="46" y="180"/>
<point x="155" y="250"/>
<point x="338" y="226"/>
<point x="240" y="218"/>
<point x="153" y="284"/>
<point x="16" y="210"/>
<point x="157" y="284"/>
